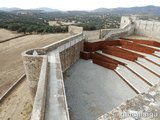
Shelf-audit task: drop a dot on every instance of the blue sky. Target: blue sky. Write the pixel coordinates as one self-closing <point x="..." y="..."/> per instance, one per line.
<point x="76" y="4"/>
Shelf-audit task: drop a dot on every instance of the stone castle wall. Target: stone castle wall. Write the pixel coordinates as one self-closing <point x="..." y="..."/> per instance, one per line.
<point x="35" y="63"/>
<point x="142" y="27"/>
<point x="144" y="106"/>
<point x="148" y="28"/>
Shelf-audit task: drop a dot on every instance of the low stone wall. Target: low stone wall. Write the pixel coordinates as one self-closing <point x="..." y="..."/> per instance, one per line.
<point x="122" y="32"/>
<point x="69" y="49"/>
<point x="40" y="98"/>
<point x="35" y="65"/>
<point x="32" y="64"/>
<point x="70" y="55"/>
<point x="104" y="32"/>
<point x="125" y="20"/>
<point x="148" y="28"/>
<point x="92" y="35"/>
<point x="75" y="30"/>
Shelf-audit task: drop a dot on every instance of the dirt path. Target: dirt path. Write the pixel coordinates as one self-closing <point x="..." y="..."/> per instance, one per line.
<point x="18" y="105"/>
<point x="11" y="66"/>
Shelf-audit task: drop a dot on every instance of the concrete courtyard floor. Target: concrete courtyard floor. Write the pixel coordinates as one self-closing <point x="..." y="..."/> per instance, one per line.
<point x="93" y="90"/>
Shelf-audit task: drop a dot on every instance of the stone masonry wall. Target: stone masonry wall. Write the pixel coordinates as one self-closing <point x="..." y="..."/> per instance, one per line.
<point x="69" y="50"/>
<point x="75" y="30"/>
<point x="32" y="67"/>
<point x="104" y="32"/>
<point x="148" y="28"/>
<point x="70" y="55"/>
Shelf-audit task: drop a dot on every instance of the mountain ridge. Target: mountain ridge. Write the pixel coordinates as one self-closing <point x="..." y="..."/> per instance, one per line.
<point x="131" y="10"/>
<point x="45" y="9"/>
<point x="119" y="10"/>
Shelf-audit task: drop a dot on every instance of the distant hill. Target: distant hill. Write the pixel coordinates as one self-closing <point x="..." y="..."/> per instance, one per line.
<point x="121" y="11"/>
<point x="44" y="9"/>
<point x="9" y="9"/>
<point x="132" y="10"/>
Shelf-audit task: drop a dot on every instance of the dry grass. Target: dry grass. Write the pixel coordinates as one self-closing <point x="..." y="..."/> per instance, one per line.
<point x="52" y="23"/>
<point x="18" y="105"/>
<point x="11" y="66"/>
<point x="6" y="34"/>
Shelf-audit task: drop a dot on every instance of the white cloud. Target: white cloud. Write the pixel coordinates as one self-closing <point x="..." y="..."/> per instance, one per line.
<point x="76" y="4"/>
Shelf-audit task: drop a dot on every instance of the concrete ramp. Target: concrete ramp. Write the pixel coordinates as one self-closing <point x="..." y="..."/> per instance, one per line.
<point x="153" y="58"/>
<point x="149" y="65"/>
<point x="93" y="90"/>
<point x="144" y="73"/>
<point x="157" y="53"/>
<point x="134" y="80"/>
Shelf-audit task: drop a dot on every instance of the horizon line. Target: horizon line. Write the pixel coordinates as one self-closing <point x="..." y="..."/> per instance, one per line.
<point x="75" y="9"/>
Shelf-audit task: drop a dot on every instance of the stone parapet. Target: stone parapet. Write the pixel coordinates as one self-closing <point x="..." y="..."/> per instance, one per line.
<point x="40" y="98"/>
<point x="36" y="67"/>
<point x="75" y="30"/>
<point x="148" y="28"/>
<point x="121" y="32"/>
<point x="32" y="64"/>
<point x="104" y="32"/>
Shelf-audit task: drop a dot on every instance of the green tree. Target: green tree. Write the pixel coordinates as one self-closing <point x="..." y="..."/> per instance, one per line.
<point x="22" y="29"/>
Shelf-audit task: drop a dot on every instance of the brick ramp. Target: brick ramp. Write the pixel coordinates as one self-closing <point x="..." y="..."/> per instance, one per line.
<point x="140" y="85"/>
<point x="116" y="58"/>
<point x="134" y="76"/>
<point x="149" y="57"/>
<point x="139" y="68"/>
<point x="144" y="42"/>
<point x="138" y="47"/>
<point x="152" y="69"/>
